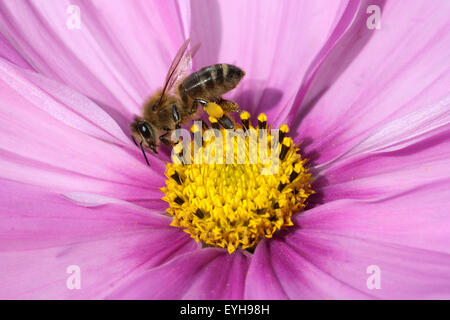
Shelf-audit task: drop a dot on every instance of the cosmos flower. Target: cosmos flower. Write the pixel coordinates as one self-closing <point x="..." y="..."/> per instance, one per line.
<point x="368" y="103"/>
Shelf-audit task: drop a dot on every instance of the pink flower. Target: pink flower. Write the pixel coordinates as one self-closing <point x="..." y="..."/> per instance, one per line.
<point x="370" y="106"/>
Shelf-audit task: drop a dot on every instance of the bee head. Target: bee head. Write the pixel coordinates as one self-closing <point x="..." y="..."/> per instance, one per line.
<point x="144" y="133"/>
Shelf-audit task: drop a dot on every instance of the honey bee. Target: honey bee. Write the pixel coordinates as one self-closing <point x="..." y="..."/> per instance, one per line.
<point x="178" y="101"/>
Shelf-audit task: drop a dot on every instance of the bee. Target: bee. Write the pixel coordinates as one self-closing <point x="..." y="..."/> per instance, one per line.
<point x="178" y="101"/>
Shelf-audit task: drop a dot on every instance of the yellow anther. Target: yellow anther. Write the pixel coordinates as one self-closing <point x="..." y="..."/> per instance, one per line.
<point x="245" y="115"/>
<point x="262" y="117"/>
<point x="287" y="141"/>
<point x="298" y="167"/>
<point x="284" y="128"/>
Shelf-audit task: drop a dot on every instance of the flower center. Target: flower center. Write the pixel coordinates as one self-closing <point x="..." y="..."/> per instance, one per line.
<point x="232" y="189"/>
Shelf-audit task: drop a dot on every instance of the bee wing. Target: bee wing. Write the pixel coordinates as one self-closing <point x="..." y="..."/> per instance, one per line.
<point x="180" y="65"/>
<point x="194" y="50"/>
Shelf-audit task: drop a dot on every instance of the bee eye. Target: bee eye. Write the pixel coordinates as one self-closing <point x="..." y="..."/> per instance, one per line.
<point x="145" y="131"/>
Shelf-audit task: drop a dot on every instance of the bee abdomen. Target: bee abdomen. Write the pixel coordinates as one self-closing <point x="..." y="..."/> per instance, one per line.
<point x="212" y="81"/>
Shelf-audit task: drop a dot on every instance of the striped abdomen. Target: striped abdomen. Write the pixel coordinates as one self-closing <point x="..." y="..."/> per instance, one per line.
<point x="210" y="82"/>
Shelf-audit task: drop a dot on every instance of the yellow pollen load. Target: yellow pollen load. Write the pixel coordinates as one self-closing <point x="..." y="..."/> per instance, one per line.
<point x="214" y="110"/>
<point x="235" y="205"/>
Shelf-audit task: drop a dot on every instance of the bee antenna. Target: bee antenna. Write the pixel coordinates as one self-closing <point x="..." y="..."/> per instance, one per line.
<point x="143" y="152"/>
<point x="134" y="140"/>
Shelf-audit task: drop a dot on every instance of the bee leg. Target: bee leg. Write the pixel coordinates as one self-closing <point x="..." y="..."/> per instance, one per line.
<point x="197" y="102"/>
<point x="154" y="149"/>
<point x="164" y="139"/>
<point x="228" y="106"/>
<point x="226" y="122"/>
<point x="166" y="142"/>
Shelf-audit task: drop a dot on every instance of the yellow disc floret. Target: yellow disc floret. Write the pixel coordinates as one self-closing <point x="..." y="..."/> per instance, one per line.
<point x="235" y="205"/>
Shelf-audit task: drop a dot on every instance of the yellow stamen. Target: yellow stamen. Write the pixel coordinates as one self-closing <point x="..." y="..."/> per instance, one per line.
<point x="262" y="117"/>
<point x="245" y="115"/>
<point x="235" y="205"/>
<point x="284" y="128"/>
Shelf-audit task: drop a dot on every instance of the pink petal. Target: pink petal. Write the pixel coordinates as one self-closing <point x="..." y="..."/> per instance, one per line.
<point x="56" y="138"/>
<point x="8" y="52"/>
<point x="403" y="67"/>
<point x="42" y="234"/>
<point x="312" y="264"/>
<point x="375" y="175"/>
<point x="328" y="253"/>
<point x="63" y="103"/>
<point x="262" y="280"/>
<point x="109" y="59"/>
<point x="203" y="274"/>
<point x="279" y="271"/>
<point x="416" y="218"/>
<point x="350" y="11"/>
<point x="273" y="41"/>
<point x="412" y="150"/>
<point x="424" y="122"/>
